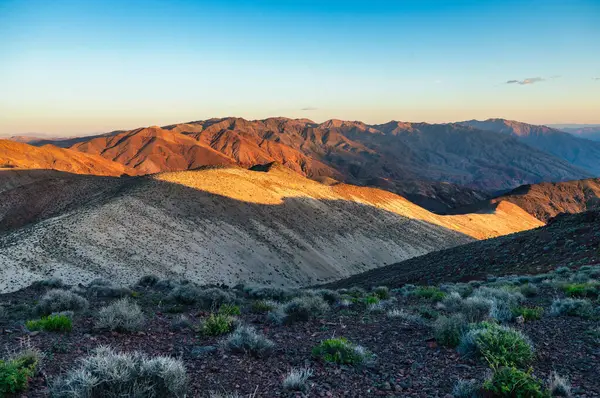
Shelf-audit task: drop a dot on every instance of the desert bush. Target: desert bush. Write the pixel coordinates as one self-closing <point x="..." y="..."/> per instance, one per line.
<point x="207" y="298"/>
<point x="356" y="292"/>
<point x="341" y="351"/>
<point x="109" y="374"/>
<point x="296" y="379"/>
<point x="466" y="389"/>
<point x="51" y="323"/>
<point x="562" y="271"/>
<point x="529" y="290"/>
<point x="53" y="283"/>
<point x="406" y="290"/>
<point x="529" y="314"/>
<point x="383" y="292"/>
<point x="103" y="288"/>
<point x="559" y="386"/>
<point x="448" y="330"/>
<point x="572" y="307"/>
<point x="512" y="382"/>
<point x="123" y="315"/>
<point x="230" y="309"/>
<point x="60" y="300"/>
<point x="498" y="345"/>
<point x="503" y="301"/>
<point x="215" y="297"/>
<point x="430" y="292"/>
<point x="304" y="308"/>
<point x="246" y="339"/>
<point x="181" y="322"/>
<point x="262" y="306"/>
<point x="474" y="309"/>
<point x="463" y="289"/>
<point x="16" y="371"/>
<point x="148" y="281"/>
<point x="270" y="293"/>
<point x="217" y="325"/>
<point x="330" y="296"/>
<point x="185" y="294"/>
<point x="406" y="317"/>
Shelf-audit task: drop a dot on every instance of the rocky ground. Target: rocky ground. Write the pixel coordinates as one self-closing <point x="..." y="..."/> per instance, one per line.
<point x="409" y="362"/>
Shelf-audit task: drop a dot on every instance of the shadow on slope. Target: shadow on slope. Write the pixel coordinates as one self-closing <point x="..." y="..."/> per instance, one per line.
<point x="149" y="226"/>
<point x="568" y="240"/>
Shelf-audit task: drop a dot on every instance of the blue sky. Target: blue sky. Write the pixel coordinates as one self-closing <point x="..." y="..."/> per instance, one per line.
<point x="76" y="67"/>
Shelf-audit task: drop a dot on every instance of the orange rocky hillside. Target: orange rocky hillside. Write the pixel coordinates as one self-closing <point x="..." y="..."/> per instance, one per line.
<point x="15" y="155"/>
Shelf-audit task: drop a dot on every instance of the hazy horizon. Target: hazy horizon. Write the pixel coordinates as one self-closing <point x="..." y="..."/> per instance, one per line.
<point x="73" y="68"/>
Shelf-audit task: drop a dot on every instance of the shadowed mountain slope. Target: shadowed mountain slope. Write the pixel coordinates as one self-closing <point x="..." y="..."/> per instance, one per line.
<point x="20" y="155"/>
<point x="567" y="240"/>
<point x="577" y="151"/>
<point x="231" y="225"/>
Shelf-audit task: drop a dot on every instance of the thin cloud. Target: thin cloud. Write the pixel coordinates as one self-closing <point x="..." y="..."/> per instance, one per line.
<point x="529" y="80"/>
<point x="309" y="108"/>
<point x="595" y="78"/>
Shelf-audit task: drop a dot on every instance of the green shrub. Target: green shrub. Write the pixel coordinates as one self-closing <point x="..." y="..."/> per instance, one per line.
<point x="51" y="323"/>
<point x="498" y="345"/>
<point x="341" y="351"/>
<point x="512" y="382"/>
<point x="589" y="289"/>
<point x="430" y="292"/>
<point x="109" y="374"/>
<point x="383" y="292"/>
<point x="230" y="309"/>
<point x="217" y="325"/>
<point x="529" y="314"/>
<point x="122" y="315"/>
<point x="262" y="306"/>
<point x="572" y="307"/>
<point x="15" y="372"/>
<point x="60" y="300"/>
<point x="246" y="339"/>
<point x="449" y="330"/>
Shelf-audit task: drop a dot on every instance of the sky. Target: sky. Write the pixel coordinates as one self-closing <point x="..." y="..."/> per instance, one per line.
<point x="82" y="67"/>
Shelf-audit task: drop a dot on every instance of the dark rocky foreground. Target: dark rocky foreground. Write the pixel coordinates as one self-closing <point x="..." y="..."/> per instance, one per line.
<point x="408" y="363"/>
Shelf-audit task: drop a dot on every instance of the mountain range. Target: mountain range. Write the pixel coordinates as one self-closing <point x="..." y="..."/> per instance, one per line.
<point x="438" y="166"/>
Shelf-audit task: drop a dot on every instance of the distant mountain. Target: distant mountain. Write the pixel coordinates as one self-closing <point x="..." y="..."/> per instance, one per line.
<point x="546" y="200"/>
<point x="438" y="166"/>
<point x="217" y="225"/>
<point x="16" y="155"/>
<point x="590" y="133"/>
<point x="577" y="151"/>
